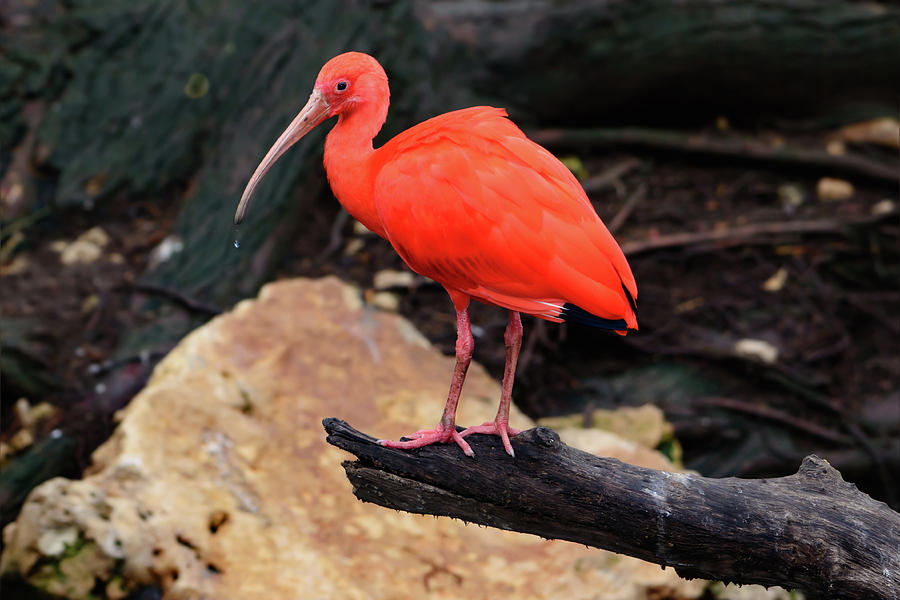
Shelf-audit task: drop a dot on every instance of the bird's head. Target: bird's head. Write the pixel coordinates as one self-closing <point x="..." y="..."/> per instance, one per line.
<point x="349" y="79"/>
<point x="344" y="84"/>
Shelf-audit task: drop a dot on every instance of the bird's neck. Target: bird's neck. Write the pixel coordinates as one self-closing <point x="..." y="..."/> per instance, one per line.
<point x="349" y="164"/>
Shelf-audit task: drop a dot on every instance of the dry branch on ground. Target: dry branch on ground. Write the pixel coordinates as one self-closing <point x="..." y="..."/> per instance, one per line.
<point x="811" y="530"/>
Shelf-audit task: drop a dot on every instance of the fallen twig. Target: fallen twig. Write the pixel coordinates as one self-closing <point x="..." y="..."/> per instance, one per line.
<point x="633" y="200"/>
<point x="747" y="234"/>
<point x="186" y="301"/>
<point x="611" y="177"/>
<point x="734" y="147"/>
<point x="772" y="414"/>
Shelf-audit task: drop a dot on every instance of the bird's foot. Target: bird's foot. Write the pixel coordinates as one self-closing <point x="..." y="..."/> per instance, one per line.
<point x="494" y="428"/>
<point x="426" y="437"/>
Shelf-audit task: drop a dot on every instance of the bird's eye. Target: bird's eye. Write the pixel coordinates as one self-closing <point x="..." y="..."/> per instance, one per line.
<point x="341" y="86"/>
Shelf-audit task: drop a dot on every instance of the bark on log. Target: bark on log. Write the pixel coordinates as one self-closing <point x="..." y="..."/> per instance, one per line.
<point x="811" y="531"/>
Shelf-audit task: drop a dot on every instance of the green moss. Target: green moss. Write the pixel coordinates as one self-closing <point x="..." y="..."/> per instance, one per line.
<point x="75" y="547"/>
<point x="671" y="448"/>
<point x="78" y="572"/>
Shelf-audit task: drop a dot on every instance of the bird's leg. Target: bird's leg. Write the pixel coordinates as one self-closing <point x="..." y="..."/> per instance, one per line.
<point x="500" y="425"/>
<point x="446" y="428"/>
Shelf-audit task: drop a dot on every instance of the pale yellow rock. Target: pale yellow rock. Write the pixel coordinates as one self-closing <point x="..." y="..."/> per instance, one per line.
<point x="21" y="439"/>
<point x="354" y="246"/>
<point x="757" y="349"/>
<point x="19" y="264"/>
<point x="752" y="592"/>
<point x="829" y="189"/>
<point x="836" y="147"/>
<point x="86" y="248"/>
<point x="884" y="131"/>
<point x="389" y="278"/>
<point x="217" y="482"/>
<point x="605" y="443"/>
<point x="22" y="410"/>
<point x="385" y="301"/>
<point x="645" y="425"/>
<point x="884" y="207"/>
<point x="776" y="281"/>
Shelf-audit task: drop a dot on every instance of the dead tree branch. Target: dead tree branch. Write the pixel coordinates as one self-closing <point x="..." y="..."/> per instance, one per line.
<point x="741" y="148"/>
<point x="754" y="233"/>
<point x="812" y="530"/>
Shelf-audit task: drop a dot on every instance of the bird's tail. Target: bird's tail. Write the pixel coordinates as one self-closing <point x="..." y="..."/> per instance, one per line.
<point x="576" y="314"/>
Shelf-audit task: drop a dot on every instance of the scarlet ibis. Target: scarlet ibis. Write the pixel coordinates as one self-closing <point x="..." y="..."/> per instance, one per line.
<point x="467" y="200"/>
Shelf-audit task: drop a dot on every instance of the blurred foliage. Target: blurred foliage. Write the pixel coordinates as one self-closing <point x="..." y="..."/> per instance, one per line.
<point x="147" y="97"/>
<point x="22" y="370"/>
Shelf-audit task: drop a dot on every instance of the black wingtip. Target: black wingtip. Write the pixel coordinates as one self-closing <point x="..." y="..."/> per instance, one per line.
<point x="575" y="314"/>
<point x="630" y="298"/>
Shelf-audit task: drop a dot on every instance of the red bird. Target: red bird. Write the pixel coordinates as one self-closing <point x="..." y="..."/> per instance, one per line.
<point x="467" y="200"/>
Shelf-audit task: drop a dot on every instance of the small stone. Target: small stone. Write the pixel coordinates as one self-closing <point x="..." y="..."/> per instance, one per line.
<point x="353" y="246"/>
<point x="6" y="453"/>
<point x="830" y="189"/>
<point x="386" y="301"/>
<point x="360" y="229"/>
<point x="791" y="197"/>
<point x="758" y="349"/>
<point x="884" y="207"/>
<point x="85" y="249"/>
<point x="21" y="439"/>
<point x="19" y="264"/>
<point x="884" y="132"/>
<point x="776" y="281"/>
<point x="96" y="236"/>
<point x="389" y="278"/>
<point x="90" y="303"/>
<point x="836" y="147"/>
<point x="169" y="247"/>
<point x="22" y="408"/>
<point x="95" y="184"/>
<point x="690" y="305"/>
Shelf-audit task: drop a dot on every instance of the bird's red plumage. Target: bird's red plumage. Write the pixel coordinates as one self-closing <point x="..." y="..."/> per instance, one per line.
<point x="466" y="199"/>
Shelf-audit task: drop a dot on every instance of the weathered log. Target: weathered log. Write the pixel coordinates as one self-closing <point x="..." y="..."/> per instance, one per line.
<point x="811" y="531"/>
<point x="654" y="61"/>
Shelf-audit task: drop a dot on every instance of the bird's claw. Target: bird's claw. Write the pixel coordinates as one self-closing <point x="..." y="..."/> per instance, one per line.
<point x="426" y="437"/>
<point x="495" y="428"/>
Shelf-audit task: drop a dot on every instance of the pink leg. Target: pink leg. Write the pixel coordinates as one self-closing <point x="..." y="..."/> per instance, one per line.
<point x="446" y="429"/>
<point x="500" y="425"/>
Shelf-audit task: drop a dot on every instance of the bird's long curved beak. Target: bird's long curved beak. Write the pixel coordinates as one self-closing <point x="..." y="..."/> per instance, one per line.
<point x="315" y="111"/>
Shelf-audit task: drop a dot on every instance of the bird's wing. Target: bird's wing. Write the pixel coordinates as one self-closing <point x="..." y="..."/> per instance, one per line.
<point x="468" y="200"/>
